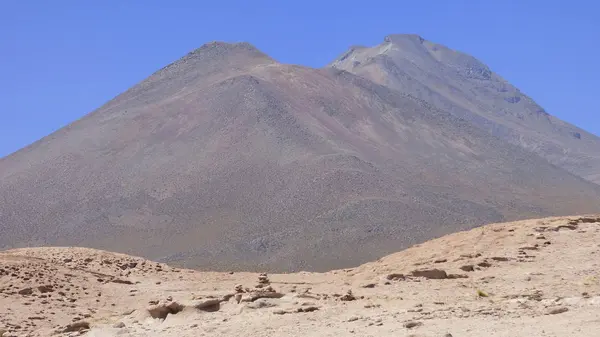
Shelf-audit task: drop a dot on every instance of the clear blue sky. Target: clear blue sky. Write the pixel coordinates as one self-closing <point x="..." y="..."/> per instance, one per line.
<point x="61" y="59"/>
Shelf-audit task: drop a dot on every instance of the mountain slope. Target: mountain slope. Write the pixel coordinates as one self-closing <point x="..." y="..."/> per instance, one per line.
<point x="227" y="159"/>
<point x="459" y="83"/>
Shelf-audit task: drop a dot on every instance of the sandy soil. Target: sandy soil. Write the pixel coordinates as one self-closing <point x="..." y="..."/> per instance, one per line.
<point x="529" y="278"/>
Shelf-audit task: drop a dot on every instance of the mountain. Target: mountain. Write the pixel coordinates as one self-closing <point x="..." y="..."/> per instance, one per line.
<point x="459" y="83"/>
<point x="534" y="278"/>
<point x="229" y="160"/>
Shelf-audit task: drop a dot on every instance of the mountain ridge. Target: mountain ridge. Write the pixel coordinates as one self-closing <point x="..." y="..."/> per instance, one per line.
<point x="412" y="64"/>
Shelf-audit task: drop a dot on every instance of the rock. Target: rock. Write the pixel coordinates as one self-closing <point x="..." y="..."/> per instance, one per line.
<point x="227" y="297"/>
<point x="571" y="227"/>
<point x="26" y="291"/>
<point x="500" y="258"/>
<point x="348" y="297"/>
<point x="308" y="309"/>
<point x="77" y="326"/>
<point x="279" y="312"/>
<point x="119" y="325"/>
<point x="45" y="289"/>
<point x="448" y="335"/>
<point x="369" y="285"/>
<point x="2" y="332"/>
<point x="556" y="311"/>
<point x="162" y="311"/>
<point x="440" y="261"/>
<point x="482" y="293"/>
<point x="468" y="267"/>
<point x="209" y="305"/>
<point x="239" y="288"/>
<point x="263" y="279"/>
<point x="368" y="306"/>
<point x="536" y="296"/>
<point x="412" y="324"/>
<point x="395" y="277"/>
<point x="265" y="294"/>
<point x="470" y="256"/>
<point x="353" y="318"/>
<point x="121" y="281"/>
<point x="457" y="276"/>
<point x="434" y="274"/>
<point x="67" y="260"/>
<point x="262" y="303"/>
<point x="128" y="312"/>
<point x="484" y="264"/>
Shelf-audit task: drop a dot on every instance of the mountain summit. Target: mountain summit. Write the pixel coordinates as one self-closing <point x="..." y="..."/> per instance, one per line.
<point x="227" y="159"/>
<point x="459" y="83"/>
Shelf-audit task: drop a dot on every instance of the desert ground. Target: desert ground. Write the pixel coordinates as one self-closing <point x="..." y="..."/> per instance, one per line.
<point x="528" y="278"/>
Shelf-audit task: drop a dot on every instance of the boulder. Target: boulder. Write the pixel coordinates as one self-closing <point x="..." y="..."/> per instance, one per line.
<point x="433" y="274"/>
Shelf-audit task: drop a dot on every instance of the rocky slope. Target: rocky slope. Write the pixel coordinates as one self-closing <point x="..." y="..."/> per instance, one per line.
<point x="457" y="82"/>
<point x="528" y="278"/>
<point x="228" y="160"/>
